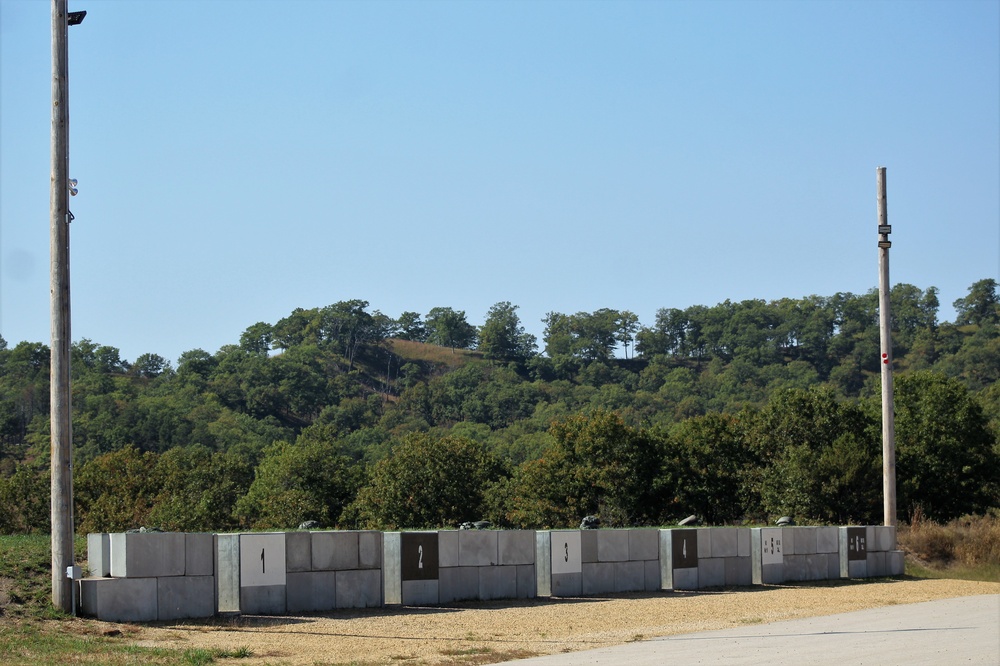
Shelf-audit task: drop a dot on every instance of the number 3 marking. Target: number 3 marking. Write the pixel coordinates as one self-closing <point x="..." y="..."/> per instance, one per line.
<point x="567" y="550"/>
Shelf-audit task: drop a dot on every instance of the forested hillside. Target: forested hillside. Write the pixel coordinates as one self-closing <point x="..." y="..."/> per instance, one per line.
<point x="345" y="416"/>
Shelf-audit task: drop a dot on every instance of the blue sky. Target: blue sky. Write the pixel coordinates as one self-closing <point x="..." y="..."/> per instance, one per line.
<point x="237" y="160"/>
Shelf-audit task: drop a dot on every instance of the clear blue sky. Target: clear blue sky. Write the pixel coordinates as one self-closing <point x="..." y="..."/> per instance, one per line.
<point x="239" y="159"/>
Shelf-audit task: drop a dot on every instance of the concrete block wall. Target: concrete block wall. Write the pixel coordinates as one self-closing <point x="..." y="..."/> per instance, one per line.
<point x="429" y="568"/>
<point x="698" y="558"/>
<point x="869" y="552"/>
<point x="572" y="563"/>
<point x="330" y="570"/>
<point x="137" y="577"/>
<point x="169" y="576"/>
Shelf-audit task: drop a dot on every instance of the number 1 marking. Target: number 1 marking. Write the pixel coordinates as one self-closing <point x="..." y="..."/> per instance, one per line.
<point x="684" y="548"/>
<point x="262" y="570"/>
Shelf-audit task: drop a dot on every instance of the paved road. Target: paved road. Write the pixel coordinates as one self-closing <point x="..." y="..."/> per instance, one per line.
<point x="965" y="630"/>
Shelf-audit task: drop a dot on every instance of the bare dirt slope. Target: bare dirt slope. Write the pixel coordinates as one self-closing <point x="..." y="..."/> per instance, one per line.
<point x="480" y="633"/>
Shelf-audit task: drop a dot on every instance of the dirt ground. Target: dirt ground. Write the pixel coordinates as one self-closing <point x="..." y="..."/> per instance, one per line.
<point x="481" y="633"/>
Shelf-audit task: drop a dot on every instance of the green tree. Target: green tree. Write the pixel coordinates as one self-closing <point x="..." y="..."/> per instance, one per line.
<point x="502" y="336"/>
<point x="980" y="306"/>
<point x="311" y="480"/>
<point x="817" y="458"/>
<point x="946" y="457"/>
<point x="116" y="491"/>
<point x="449" y="328"/>
<point x="428" y="482"/>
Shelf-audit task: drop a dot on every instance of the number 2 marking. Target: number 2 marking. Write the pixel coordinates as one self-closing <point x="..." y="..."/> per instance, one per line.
<point x="262" y="569"/>
<point x="420" y="557"/>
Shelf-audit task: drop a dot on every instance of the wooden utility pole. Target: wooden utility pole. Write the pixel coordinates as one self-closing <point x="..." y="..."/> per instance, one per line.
<point x="885" y="335"/>
<point x="59" y="379"/>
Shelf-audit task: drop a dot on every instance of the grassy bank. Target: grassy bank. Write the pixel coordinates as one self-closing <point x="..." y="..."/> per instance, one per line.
<point x="34" y="633"/>
<point x="966" y="548"/>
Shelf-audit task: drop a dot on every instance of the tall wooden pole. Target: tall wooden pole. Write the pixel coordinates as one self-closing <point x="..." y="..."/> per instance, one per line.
<point x="885" y="335"/>
<point x="59" y="379"/>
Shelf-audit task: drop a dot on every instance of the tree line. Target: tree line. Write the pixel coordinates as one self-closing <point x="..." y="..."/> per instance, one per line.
<point x="354" y="419"/>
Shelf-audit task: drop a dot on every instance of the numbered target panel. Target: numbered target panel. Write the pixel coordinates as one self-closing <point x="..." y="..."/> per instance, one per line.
<point x="419" y="556"/>
<point x="857" y="543"/>
<point x="262" y="560"/>
<point x="567" y="554"/>
<point x="771" y="550"/>
<point x="684" y="549"/>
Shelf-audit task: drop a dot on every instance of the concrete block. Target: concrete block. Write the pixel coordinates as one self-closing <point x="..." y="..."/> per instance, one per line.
<point x="598" y="578"/>
<point x="420" y="593"/>
<point x="182" y="597"/>
<point x="705" y="541"/>
<point x="771" y="574"/>
<point x="262" y="561"/>
<point x="311" y="591"/>
<point x="725" y="542"/>
<point x="458" y="583"/>
<point x="788" y="540"/>
<point x="795" y="567"/>
<point x="643" y="544"/>
<point x="391" y="574"/>
<point x="567" y="550"/>
<point x="543" y="563"/>
<point x="833" y="566"/>
<point x="477" y="548"/>
<point x="199" y="554"/>
<point x="263" y="600"/>
<point x="516" y="547"/>
<point x="612" y="545"/>
<point x="227" y="573"/>
<point x="895" y="563"/>
<point x="588" y="545"/>
<point x="497" y="582"/>
<point x="651" y="575"/>
<point x="738" y="571"/>
<point x="99" y="554"/>
<point x="743" y="542"/>
<point x="361" y="589"/>
<point x="334" y="551"/>
<point x="885" y="538"/>
<point x="827" y="540"/>
<point x="298" y="552"/>
<point x="448" y="548"/>
<point x="711" y="572"/>
<point x="526" y="581"/>
<point x="567" y="584"/>
<point x="857" y="568"/>
<point x="816" y="566"/>
<point x="119" y="599"/>
<point x="147" y="555"/>
<point x="685" y="579"/>
<point x="630" y="576"/>
<point x="805" y="540"/>
<point x="369" y="550"/>
<point x="870" y="535"/>
<point x="876" y="564"/>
